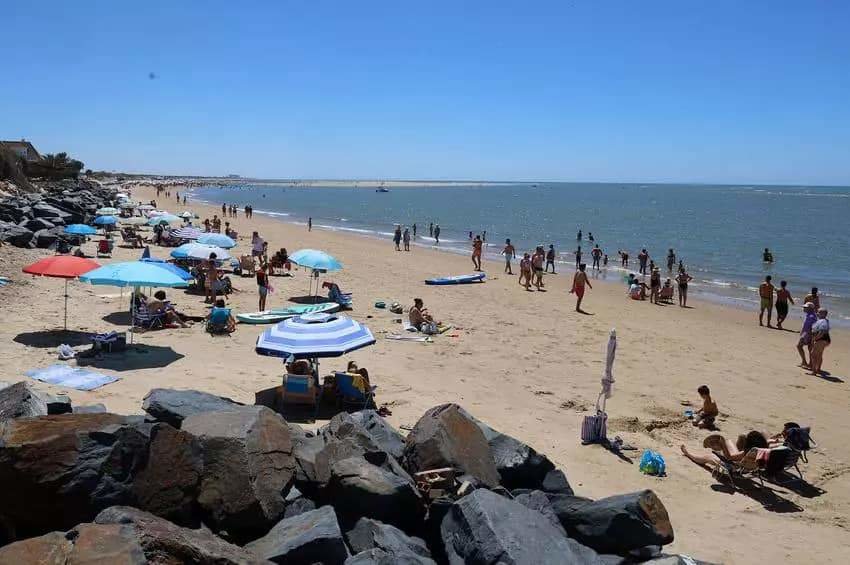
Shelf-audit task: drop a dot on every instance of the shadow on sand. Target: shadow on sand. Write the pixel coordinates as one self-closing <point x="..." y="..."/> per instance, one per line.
<point x="135" y="357"/>
<point x="53" y="338"/>
<point x="308" y="299"/>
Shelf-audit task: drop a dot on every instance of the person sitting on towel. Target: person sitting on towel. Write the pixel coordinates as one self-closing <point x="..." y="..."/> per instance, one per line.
<point x="420" y="318"/>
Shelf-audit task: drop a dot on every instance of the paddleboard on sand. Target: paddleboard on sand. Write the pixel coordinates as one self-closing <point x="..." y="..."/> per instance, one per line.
<point x="459" y="279"/>
<point x="280" y="314"/>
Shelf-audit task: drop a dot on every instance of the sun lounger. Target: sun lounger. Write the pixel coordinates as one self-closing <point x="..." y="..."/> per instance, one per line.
<point x="300" y="389"/>
<point x="144" y="318"/>
<point x="348" y="391"/>
<point x="761" y="463"/>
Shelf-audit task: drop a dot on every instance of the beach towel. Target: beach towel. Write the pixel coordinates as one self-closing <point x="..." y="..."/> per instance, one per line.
<point x="399" y="337"/>
<point x="71" y="377"/>
<point x="4" y="281"/>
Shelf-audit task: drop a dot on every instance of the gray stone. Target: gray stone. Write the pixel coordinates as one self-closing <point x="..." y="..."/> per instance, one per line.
<point x="387" y="437"/>
<point x="371" y="534"/>
<point x="15" y="234"/>
<point x="21" y="400"/>
<point x="89" y="409"/>
<point x="37" y="224"/>
<point x="485" y="528"/>
<point x="312" y="537"/>
<point x="538" y="501"/>
<point x="45" y="210"/>
<point x="381" y="557"/>
<point x="172" y="406"/>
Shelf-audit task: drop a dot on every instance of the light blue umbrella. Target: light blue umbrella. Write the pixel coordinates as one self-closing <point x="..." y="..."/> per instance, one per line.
<point x="80" y="229"/>
<point x="134" y="274"/>
<point x="217" y="239"/>
<point x="316" y="260"/>
<point x="105" y="221"/>
<point x="311" y="336"/>
<point x="199" y="252"/>
<point x="172" y="268"/>
<point x="164" y="219"/>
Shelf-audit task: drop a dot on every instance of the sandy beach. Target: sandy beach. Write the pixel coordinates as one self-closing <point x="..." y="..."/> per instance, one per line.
<point x="524" y="362"/>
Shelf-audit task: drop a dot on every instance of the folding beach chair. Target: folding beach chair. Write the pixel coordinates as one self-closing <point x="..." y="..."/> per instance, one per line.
<point x="144" y="318"/>
<point x="302" y="390"/>
<point x="104" y="248"/>
<point x="779" y="459"/>
<point x="348" y="393"/>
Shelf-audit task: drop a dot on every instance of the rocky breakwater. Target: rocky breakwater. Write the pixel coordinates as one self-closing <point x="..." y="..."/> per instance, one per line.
<point x="203" y="479"/>
<point x="39" y="219"/>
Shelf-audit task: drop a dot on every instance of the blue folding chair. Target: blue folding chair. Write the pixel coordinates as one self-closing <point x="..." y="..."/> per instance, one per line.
<point x="347" y="393"/>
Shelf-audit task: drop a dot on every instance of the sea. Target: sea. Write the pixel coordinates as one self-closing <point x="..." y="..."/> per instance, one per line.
<point x="719" y="231"/>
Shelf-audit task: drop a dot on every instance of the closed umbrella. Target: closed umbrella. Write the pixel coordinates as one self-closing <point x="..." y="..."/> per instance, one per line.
<point x="80" y="229"/>
<point x="107" y="211"/>
<point x="608" y="377"/>
<point x="217" y="239"/>
<point x="128" y="204"/>
<point x="134" y="274"/>
<point x="317" y="261"/>
<point x="199" y="252"/>
<point x="63" y="267"/>
<point x="105" y="221"/>
<point x="311" y="336"/>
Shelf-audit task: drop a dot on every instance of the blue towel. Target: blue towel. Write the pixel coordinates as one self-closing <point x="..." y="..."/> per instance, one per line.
<point x="71" y="377"/>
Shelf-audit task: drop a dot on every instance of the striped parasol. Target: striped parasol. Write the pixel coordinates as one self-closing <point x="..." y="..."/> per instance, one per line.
<point x="186" y="233"/>
<point x="311" y="336"/>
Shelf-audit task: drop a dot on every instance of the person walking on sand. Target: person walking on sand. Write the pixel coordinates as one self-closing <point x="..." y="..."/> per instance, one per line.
<point x="537" y="266"/>
<point x="643" y="258"/>
<point x="654" y="285"/>
<point x="766" y="301"/>
<point x="805" y="340"/>
<point x="820" y="341"/>
<point x="310" y="223"/>
<point x="579" y="281"/>
<point x="682" y="279"/>
<point x="578" y="256"/>
<point x="184" y="199"/>
<point x="596" y="254"/>
<point x="262" y="286"/>
<point x="437" y="234"/>
<point x="510" y="253"/>
<point x="671" y="259"/>
<point x="550" y="258"/>
<point x="406" y="238"/>
<point x="476" y="252"/>
<point x="525" y="271"/>
<point x="397" y="237"/>
<point x="783" y="297"/>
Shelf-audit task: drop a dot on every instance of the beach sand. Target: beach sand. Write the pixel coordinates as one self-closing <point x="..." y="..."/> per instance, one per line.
<point x="524" y="362"/>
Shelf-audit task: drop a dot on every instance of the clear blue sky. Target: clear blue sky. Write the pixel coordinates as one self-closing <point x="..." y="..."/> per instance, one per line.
<point x="753" y="91"/>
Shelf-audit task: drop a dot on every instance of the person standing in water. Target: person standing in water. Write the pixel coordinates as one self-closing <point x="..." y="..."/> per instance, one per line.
<point x="414" y="231"/>
<point x="510" y="253"/>
<point x="783" y="297"/>
<point x="550" y="258"/>
<point x="683" y="279"/>
<point x="476" y="252"/>
<point x="671" y="259"/>
<point x="437" y="233"/>
<point x="596" y="254"/>
<point x="406" y="238"/>
<point x="579" y="281"/>
<point x="397" y="237"/>
<point x="578" y="256"/>
<point x="431" y="229"/>
<point x="766" y="301"/>
<point x="310" y="224"/>
<point x="578" y="235"/>
<point x="767" y="256"/>
<point x="643" y="257"/>
<point x="590" y="237"/>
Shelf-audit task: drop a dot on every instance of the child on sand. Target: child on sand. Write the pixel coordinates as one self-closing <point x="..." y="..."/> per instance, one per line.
<point x="704" y="417"/>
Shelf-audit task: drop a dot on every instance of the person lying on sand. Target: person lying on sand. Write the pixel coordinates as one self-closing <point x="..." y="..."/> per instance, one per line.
<point x="704" y="417"/>
<point x="732" y="451"/>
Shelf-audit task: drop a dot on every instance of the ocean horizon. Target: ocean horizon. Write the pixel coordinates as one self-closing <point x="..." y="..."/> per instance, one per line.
<point x="719" y="231"/>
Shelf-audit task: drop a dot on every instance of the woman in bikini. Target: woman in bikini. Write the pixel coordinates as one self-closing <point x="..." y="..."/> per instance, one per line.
<point x="476" y="252"/>
<point x="683" y="279"/>
<point x="525" y="271"/>
<point x="820" y="341"/>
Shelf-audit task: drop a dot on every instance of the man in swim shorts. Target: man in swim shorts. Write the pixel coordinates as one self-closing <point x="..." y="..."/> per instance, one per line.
<point x="579" y="282"/>
<point x="766" y="300"/>
<point x="783" y="297"/>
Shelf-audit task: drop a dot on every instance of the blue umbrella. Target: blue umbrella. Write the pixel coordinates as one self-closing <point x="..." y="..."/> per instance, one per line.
<point x="217" y="239"/>
<point x="172" y="268"/>
<point x="311" y="336"/>
<point x="199" y="252"/>
<point x="135" y="274"/>
<point x="316" y="260"/>
<point x="80" y="229"/>
<point x="105" y="220"/>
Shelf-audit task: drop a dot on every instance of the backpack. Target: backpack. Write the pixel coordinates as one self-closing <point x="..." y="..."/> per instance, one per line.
<point x="800" y="439"/>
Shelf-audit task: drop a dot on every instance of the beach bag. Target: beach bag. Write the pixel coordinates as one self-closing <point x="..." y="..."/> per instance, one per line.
<point x="429" y="329"/>
<point x="652" y="463"/>
<point x="594" y="428"/>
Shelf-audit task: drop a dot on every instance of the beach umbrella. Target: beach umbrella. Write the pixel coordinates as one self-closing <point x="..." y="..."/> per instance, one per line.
<point x="134" y="274"/>
<point x="62" y="267"/>
<point x="146" y="207"/>
<point x="122" y="196"/>
<point x="311" y="336"/>
<point x="217" y="239"/>
<point x="79" y="229"/>
<point x="171" y="268"/>
<point x="187" y="215"/>
<point x="127" y="204"/>
<point x="608" y="377"/>
<point x="318" y="261"/>
<point x="146" y="256"/>
<point x="105" y="220"/>
<point x="133" y="221"/>
<point x="199" y="252"/>
<point x="164" y="218"/>
<point x="186" y="233"/>
<point x="107" y="211"/>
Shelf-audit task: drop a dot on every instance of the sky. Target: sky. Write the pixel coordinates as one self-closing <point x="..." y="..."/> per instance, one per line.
<point x="573" y="90"/>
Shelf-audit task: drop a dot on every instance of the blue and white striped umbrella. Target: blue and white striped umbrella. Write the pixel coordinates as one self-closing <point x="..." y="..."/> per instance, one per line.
<point x="186" y="233"/>
<point x="199" y="252"/>
<point x="314" y="335"/>
<point x="217" y="239"/>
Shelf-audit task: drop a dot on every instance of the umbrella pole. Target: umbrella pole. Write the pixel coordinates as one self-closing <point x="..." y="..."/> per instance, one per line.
<point x="66" y="304"/>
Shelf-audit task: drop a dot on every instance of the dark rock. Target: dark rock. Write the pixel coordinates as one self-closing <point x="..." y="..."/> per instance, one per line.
<point x="45" y="210"/>
<point x="305" y="446"/>
<point x="21" y="400"/>
<point x="86" y="543"/>
<point x="374" y="486"/>
<point x="37" y="224"/>
<point x="381" y="557"/>
<point x="342" y="438"/>
<point x="248" y="468"/>
<point x="617" y="524"/>
<point x="164" y="542"/>
<point x="539" y="502"/>
<point x="387" y="437"/>
<point x="58" y="403"/>
<point x="16" y="235"/>
<point x="172" y="406"/>
<point x="297" y="503"/>
<point x="312" y="537"/>
<point x="485" y="528"/>
<point x="556" y="482"/>
<point x="89" y="409"/>
<point x="66" y="468"/>
<point x="15" y="211"/>
<point x="445" y="436"/>
<point x="46" y="238"/>
<point x="674" y="559"/>
<point x="370" y="534"/>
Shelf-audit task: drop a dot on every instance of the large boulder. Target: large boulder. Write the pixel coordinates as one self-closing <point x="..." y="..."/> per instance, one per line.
<point x="173" y="406"/>
<point x="485" y="528"/>
<point x="46" y="238"/>
<point x="446" y="436"/>
<point x="617" y="524"/>
<point x="21" y="400"/>
<point x="248" y="468"/>
<point x="305" y="447"/>
<point x="297" y="503"/>
<point x="374" y="486"/>
<point x="18" y="236"/>
<point x="368" y="534"/>
<point x="37" y="224"/>
<point x="59" y="471"/>
<point x="380" y="557"/>
<point x="387" y="437"/>
<point x="52" y="213"/>
<point x="164" y="542"/>
<point x="312" y="537"/>
<point x="539" y="502"/>
<point x="86" y="543"/>
<point x="342" y="438"/>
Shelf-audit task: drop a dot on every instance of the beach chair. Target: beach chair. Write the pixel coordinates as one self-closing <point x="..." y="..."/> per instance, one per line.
<point x="104" y="248"/>
<point x="300" y="389"/>
<point x="218" y="327"/>
<point x="336" y="295"/>
<point x="246" y="264"/>
<point x="144" y="318"/>
<point x="779" y="460"/>
<point x="800" y="440"/>
<point x="349" y="393"/>
<point x="666" y="294"/>
<point x="130" y="237"/>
